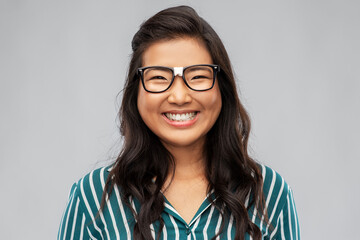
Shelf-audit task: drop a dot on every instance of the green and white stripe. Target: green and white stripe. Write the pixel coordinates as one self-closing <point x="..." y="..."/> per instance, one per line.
<point x="80" y="220"/>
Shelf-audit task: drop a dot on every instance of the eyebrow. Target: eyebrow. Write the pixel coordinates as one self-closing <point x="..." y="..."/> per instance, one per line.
<point x="196" y="68"/>
<point x="157" y="68"/>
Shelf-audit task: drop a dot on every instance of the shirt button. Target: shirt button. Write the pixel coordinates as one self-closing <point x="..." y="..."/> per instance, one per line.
<point x="188" y="231"/>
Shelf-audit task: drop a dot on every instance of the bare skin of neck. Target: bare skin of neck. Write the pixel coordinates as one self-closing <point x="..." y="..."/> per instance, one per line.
<point x="189" y="180"/>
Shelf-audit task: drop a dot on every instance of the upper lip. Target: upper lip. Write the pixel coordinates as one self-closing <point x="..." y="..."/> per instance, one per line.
<point x="180" y="111"/>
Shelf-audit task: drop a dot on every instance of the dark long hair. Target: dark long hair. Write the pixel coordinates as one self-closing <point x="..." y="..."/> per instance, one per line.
<point x="231" y="173"/>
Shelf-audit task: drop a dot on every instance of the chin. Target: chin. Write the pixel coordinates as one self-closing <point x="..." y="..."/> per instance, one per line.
<point x="184" y="143"/>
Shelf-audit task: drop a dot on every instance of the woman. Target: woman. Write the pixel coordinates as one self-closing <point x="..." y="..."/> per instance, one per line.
<point x="184" y="171"/>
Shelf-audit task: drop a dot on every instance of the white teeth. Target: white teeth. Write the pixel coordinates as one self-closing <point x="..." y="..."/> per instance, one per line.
<point x="181" y="117"/>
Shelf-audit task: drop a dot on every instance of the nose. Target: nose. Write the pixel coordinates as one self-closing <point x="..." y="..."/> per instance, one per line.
<point x="179" y="93"/>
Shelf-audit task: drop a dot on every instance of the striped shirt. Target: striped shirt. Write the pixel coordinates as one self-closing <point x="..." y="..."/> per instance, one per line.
<point x="116" y="221"/>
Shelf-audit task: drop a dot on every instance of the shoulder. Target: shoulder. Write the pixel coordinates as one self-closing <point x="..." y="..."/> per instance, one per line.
<point x="274" y="185"/>
<point x="83" y="204"/>
<point x="279" y="203"/>
<point x="91" y="186"/>
<point x="276" y="192"/>
<point x="278" y="198"/>
<point x="89" y="189"/>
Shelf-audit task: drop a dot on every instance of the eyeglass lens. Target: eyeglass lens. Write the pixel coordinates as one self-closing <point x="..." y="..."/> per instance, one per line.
<point x="157" y="79"/>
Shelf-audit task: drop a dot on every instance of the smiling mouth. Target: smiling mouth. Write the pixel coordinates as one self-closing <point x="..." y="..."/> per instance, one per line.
<point x="181" y="117"/>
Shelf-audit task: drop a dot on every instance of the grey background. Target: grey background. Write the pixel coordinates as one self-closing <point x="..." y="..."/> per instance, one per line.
<point x="62" y="64"/>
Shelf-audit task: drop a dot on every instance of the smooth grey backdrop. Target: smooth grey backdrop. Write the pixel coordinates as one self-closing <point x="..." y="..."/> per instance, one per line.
<point x="62" y="64"/>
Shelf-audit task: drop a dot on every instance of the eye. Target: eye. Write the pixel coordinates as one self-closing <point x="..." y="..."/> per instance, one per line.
<point x="158" y="77"/>
<point x="199" y="76"/>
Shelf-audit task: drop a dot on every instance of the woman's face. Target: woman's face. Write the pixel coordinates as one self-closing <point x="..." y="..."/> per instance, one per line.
<point x="203" y="108"/>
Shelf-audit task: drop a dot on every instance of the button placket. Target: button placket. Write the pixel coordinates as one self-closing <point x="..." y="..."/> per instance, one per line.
<point x="188" y="230"/>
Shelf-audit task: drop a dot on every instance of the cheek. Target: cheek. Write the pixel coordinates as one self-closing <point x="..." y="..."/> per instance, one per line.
<point x="215" y="103"/>
<point x="143" y="106"/>
<point x="148" y="105"/>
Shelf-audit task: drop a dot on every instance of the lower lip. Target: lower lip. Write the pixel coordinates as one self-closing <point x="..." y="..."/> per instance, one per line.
<point x="187" y="123"/>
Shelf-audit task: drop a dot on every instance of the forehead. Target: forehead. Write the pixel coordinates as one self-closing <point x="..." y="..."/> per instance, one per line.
<point x="176" y="52"/>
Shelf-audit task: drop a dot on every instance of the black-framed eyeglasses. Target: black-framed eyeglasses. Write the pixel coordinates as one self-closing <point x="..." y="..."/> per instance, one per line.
<point x="157" y="79"/>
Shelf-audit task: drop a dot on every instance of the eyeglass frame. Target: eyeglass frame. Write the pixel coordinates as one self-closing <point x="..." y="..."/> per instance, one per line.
<point x="178" y="71"/>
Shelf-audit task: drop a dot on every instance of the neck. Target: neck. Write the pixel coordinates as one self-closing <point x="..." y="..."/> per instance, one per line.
<point x="189" y="162"/>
